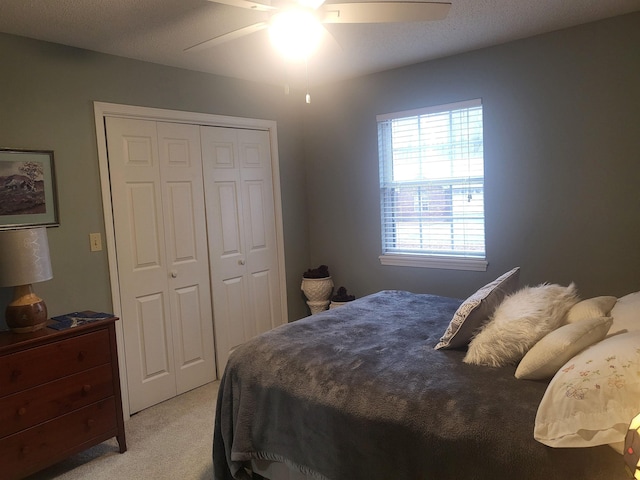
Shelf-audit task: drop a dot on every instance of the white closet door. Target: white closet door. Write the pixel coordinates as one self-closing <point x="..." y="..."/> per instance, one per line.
<point x="162" y="260"/>
<point x="260" y="229"/>
<point x="242" y="235"/>
<point x="187" y="254"/>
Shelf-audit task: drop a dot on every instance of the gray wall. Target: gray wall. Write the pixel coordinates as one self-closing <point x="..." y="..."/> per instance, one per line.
<point x="562" y="162"/>
<point x="46" y="102"/>
<point x="562" y="147"/>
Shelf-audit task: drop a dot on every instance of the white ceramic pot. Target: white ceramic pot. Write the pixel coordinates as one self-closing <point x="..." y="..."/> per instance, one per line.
<point x="318" y="292"/>
<point x="317" y="289"/>
<point x="333" y="304"/>
<point x="317" y="307"/>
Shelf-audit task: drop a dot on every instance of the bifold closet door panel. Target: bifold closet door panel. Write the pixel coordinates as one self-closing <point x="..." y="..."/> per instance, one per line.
<point x="162" y="257"/>
<point x="241" y="228"/>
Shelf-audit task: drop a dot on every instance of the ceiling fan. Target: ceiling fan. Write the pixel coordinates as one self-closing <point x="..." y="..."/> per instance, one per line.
<point x="318" y="12"/>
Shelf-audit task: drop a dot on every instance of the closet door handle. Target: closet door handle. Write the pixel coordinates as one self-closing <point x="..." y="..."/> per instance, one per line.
<point x="241" y="261"/>
<point x="174" y="274"/>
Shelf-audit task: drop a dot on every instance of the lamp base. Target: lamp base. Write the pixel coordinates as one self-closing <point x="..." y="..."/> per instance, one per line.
<point x="27" y="312"/>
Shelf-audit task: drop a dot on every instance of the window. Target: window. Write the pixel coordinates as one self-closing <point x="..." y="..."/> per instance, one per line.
<point x="432" y="187"/>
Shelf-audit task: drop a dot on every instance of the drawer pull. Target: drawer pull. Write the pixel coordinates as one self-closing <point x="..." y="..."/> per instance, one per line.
<point x="91" y="422"/>
<point x="86" y="388"/>
<point x="15" y="374"/>
<point x="22" y="411"/>
<point x="25" y="450"/>
<point x="81" y="356"/>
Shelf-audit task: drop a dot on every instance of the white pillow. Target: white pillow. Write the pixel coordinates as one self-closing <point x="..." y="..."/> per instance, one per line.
<point x="594" y="396"/>
<point x="547" y="356"/>
<point x="626" y="314"/>
<point x="519" y="322"/>
<point x="591" y="308"/>
<point x="475" y="310"/>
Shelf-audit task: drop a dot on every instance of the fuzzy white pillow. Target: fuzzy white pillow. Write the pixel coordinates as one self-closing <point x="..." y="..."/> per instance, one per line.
<point x="519" y="322"/>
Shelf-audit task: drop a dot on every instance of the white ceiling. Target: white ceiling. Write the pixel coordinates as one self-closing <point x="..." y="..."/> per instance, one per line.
<point x="159" y="30"/>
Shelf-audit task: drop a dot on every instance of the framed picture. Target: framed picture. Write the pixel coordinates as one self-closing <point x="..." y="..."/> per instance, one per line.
<point x="27" y="189"/>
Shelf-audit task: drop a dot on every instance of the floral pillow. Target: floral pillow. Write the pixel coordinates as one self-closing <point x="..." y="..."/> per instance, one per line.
<point x="476" y="309"/>
<point x="594" y="396"/>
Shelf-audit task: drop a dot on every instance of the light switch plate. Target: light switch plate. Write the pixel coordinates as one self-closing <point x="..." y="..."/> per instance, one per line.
<point x="95" y="240"/>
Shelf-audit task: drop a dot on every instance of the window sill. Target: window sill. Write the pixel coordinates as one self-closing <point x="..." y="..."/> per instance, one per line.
<point x="445" y="263"/>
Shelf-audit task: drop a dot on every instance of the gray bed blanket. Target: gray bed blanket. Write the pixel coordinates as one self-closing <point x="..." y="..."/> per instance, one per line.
<point x="360" y="393"/>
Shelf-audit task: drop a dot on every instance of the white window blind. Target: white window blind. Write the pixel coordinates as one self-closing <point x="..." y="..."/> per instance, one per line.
<point x="432" y="184"/>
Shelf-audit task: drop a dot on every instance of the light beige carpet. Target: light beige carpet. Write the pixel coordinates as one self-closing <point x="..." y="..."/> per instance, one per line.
<point x="169" y="441"/>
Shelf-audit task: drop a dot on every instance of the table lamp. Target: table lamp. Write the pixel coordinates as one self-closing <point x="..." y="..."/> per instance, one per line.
<point x="24" y="259"/>
<point x="632" y="448"/>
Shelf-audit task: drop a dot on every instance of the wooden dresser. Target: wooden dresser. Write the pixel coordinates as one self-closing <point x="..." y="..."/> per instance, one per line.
<point x="59" y="394"/>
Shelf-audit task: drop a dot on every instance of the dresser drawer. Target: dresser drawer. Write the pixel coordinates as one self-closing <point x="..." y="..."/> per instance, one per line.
<point x="38" y="404"/>
<point x="26" y="369"/>
<point x="30" y="450"/>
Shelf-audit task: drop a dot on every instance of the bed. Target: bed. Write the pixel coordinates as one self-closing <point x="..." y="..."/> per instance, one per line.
<point x="360" y="392"/>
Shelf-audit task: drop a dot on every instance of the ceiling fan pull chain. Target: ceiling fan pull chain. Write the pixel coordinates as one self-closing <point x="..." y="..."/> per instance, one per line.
<point x="307" y="97"/>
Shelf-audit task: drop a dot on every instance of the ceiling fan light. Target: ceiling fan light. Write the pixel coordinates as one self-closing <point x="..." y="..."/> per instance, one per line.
<point x="296" y="34"/>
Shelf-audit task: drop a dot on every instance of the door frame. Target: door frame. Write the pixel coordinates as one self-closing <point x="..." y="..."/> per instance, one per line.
<point x="103" y="110"/>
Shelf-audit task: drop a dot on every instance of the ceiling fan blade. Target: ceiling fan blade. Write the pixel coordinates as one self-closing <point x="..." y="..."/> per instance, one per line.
<point x="226" y="37"/>
<point x="312" y="4"/>
<point x="263" y="7"/>
<point x="382" y="12"/>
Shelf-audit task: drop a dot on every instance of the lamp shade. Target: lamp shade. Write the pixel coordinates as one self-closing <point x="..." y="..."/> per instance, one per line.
<point x="24" y="257"/>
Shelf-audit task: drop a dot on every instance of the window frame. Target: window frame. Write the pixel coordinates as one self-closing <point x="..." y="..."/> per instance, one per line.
<point x="427" y="259"/>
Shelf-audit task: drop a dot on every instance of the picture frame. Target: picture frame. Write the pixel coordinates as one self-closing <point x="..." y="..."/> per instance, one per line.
<point x="28" y="196"/>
